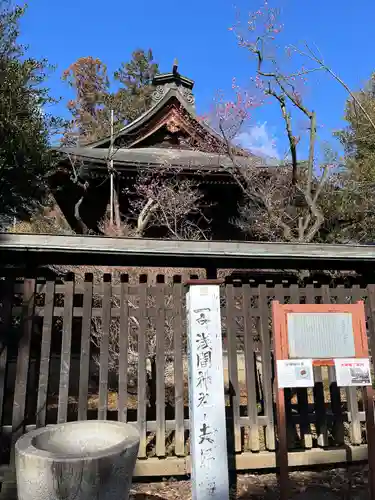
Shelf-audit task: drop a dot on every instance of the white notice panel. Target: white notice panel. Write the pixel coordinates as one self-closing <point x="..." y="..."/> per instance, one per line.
<point x="353" y="372"/>
<point x="208" y="442"/>
<point x="295" y="373"/>
<point x="320" y="335"/>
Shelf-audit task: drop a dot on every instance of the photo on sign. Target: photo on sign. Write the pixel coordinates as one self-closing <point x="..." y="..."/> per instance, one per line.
<point x="295" y="373"/>
<point x="353" y="372"/>
<point x="360" y="375"/>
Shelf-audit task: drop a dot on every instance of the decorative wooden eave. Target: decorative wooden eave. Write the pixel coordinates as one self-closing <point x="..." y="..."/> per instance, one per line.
<point x="130" y="159"/>
<point x="174" y="108"/>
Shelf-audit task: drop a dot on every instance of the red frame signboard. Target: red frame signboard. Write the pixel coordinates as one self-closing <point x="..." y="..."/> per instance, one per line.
<point x="284" y="341"/>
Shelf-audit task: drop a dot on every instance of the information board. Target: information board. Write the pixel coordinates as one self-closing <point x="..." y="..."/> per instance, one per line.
<point x="307" y="335"/>
<point x="320" y="335"/>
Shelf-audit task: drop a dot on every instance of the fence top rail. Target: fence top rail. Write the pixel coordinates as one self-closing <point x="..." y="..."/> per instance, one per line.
<point x="96" y="250"/>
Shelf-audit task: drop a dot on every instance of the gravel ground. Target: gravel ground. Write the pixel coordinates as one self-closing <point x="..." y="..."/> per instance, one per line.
<point x="348" y="483"/>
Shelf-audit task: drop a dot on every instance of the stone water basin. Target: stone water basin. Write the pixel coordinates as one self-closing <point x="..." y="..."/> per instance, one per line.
<point x="77" y="460"/>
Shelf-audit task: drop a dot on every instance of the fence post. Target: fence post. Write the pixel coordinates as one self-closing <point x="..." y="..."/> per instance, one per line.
<point x="45" y="354"/>
<point x="84" y="371"/>
<point x="178" y="330"/>
<point x="104" y="347"/>
<point x="66" y="346"/>
<point x="123" y="350"/>
<point x="23" y="360"/>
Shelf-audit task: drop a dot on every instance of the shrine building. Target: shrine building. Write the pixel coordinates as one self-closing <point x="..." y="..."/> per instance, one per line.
<point x="169" y="133"/>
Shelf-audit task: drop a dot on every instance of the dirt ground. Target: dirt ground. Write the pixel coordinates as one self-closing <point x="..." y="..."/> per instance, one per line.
<point x="349" y="483"/>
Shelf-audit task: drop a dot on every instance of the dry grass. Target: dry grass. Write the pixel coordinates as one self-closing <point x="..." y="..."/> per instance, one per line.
<point x="338" y="483"/>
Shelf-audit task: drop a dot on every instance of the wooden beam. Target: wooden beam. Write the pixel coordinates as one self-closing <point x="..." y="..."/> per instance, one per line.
<point x="46" y="249"/>
<point x="246" y="461"/>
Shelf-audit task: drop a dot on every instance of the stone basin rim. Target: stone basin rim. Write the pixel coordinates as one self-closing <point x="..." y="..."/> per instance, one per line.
<point x="24" y="445"/>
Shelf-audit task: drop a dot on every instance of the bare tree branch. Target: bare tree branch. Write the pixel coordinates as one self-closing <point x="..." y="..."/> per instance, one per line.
<point x="310" y="54"/>
<point x="84" y="185"/>
<point x="282" y="204"/>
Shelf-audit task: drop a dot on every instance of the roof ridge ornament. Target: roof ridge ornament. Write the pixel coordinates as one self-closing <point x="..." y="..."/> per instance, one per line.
<point x="166" y="81"/>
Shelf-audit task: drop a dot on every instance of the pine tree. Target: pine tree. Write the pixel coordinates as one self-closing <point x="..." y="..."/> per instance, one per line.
<point x="355" y="198"/>
<point x="136" y="76"/>
<point x="89" y="80"/>
<point x="25" y="127"/>
<point x="93" y="101"/>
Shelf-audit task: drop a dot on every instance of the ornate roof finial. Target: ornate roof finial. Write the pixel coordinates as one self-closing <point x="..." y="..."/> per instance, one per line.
<point x="173" y="80"/>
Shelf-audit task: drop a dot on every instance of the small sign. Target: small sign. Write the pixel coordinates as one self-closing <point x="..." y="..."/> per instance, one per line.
<point x="295" y="373"/>
<point x="353" y="372"/>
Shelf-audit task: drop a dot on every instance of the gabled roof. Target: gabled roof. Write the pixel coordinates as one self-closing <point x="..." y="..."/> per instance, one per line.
<point x="173" y="106"/>
<point x="170" y="132"/>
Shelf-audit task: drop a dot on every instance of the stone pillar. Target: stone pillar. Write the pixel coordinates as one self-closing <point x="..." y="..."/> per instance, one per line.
<point x="208" y="443"/>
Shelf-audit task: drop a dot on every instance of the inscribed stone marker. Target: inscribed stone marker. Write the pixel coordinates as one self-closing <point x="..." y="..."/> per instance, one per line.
<point x="209" y="461"/>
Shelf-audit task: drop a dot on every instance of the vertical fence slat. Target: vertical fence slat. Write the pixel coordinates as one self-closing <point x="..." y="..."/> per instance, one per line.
<point x="371" y="322"/>
<point x="104" y="348"/>
<point x="123" y="353"/>
<point x="252" y="408"/>
<point x="351" y="392"/>
<point x="160" y="369"/>
<point x="370" y="306"/>
<point x="234" y="389"/>
<point x="23" y="359"/>
<point x="266" y="367"/>
<point x="45" y="354"/>
<point x="292" y="436"/>
<point x="320" y="408"/>
<point x="355" y="422"/>
<point x="338" y="425"/>
<point x="84" y="370"/>
<point x="319" y="399"/>
<point x="142" y="329"/>
<point x="62" y="409"/>
<point x="3" y="364"/>
<point x="302" y="394"/>
<point x="6" y="321"/>
<point x="178" y="370"/>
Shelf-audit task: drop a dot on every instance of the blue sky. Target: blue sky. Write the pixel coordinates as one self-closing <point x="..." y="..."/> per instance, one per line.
<point x="196" y="32"/>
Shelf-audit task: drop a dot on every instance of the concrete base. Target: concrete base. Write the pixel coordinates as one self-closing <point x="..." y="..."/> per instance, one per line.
<point x="83" y="460"/>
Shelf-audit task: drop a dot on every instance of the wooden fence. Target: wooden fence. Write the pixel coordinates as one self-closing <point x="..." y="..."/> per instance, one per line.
<point x="113" y="350"/>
